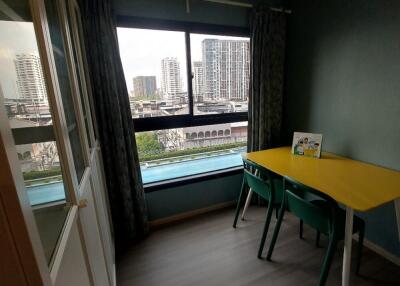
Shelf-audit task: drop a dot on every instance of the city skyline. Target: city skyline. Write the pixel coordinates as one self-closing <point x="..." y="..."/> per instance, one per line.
<point x="222" y="73"/>
<point x="10" y="46"/>
<point x="141" y="51"/>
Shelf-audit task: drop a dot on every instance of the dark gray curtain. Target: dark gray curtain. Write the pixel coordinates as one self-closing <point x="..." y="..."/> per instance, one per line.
<point x="267" y="49"/>
<point x="115" y="126"/>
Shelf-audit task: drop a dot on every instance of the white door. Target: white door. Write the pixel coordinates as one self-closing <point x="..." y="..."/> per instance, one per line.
<point x="59" y="175"/>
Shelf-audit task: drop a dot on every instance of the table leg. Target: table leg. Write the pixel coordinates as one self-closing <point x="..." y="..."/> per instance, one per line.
<point x="397" y="208"/>
<point x="348" y="237"/>
<point x="246" y="205"/>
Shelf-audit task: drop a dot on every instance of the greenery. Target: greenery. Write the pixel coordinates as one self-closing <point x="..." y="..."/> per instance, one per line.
<point x="148" y="148"/>
<point x="145" y="98"/>
<point x="162" y="155"/>
<point x="148" y="142"/>
<point x="32" y="175"/>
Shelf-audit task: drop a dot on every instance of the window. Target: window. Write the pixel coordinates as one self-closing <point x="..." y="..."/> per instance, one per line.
<point x="188" y="87"/>
<point x="154" y="64"/>
<point x="220" y="71"/>
<point x="171" y="153"/>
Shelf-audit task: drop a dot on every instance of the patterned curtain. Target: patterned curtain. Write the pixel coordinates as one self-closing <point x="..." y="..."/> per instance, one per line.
<point x="115" y="125"/>
<point x="267" y="45"/>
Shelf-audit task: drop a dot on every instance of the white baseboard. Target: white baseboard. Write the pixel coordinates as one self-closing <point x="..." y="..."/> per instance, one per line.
<point x="186" y="215"/>
<point x="380" y="250"/>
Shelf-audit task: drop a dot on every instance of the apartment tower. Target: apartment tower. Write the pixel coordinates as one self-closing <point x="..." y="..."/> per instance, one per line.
<point x="171" y="82"/>
<point x="226" y="67"/>
<point x="30" y="80"/>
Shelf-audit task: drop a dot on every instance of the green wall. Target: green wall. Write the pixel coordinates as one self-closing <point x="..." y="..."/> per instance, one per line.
<point x="200" y="11"/>
<point x="343" y="80"/>
<point x="171" y="201"/>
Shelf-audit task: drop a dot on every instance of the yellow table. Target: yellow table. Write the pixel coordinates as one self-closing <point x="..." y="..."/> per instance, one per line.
<point x="357" y="185"/>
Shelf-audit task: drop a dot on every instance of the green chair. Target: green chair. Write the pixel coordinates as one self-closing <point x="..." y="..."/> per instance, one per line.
<point x="268" y="186"/>
<point x="323" y="214"/>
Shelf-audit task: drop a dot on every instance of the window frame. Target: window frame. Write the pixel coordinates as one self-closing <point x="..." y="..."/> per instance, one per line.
<point x="186" y="120"/>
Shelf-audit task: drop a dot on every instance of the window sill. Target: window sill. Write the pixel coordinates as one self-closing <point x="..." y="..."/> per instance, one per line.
<point x="160" y="185"/>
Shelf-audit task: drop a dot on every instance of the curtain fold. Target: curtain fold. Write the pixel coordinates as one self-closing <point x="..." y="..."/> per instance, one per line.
<point x="115" y="125"/>
<point x="267" y="49"/>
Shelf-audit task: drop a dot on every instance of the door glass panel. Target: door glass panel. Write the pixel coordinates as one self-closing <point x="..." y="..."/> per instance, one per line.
<point x="64" y="74"/>
<point x="80" y="74"/>
<point x="23" y="91"/>
<point x="80" y="38"/>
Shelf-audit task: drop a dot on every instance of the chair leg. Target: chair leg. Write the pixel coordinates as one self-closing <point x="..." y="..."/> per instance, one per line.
<point x="276" y="232"/>
<point x="360" y="248"/>
<point x="239" y="203"/>
<point x="328" y="260"/>
<point x="276" y="212"/>
<point x="317" y="238"/>
<point x="265" y="231"/>
<point x="301" y="229"/>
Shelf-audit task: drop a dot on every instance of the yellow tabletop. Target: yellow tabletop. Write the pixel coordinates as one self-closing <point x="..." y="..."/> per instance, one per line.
<point x="355" y="184"/>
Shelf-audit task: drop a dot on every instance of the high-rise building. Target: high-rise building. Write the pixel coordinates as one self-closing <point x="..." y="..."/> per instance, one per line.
<point x="198" y="79"/>
<point x="171" y="82"/>
<point x="144" y="86"/>
<point x="30" y="80"/>
<point x="226" y="67"/>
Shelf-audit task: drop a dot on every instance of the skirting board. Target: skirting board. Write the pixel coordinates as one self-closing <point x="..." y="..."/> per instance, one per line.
<point x="186" y="215"/>
<point x="379" y="250"/>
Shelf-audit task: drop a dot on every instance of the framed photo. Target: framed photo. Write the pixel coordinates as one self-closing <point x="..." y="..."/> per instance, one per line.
<point x="307" y="144"/>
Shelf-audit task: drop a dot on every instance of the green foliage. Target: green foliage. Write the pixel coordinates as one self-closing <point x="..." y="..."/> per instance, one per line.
<point x="147" y="142"/>
<point x="143" y="157"/>
<point x="42" y="174"/>
<point x="146" y="98"/>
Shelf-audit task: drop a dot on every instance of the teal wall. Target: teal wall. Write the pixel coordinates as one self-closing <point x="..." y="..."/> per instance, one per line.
<point x="343" y="80"/>
<point x="171" y="201"/>
<point x="200" y="11"/>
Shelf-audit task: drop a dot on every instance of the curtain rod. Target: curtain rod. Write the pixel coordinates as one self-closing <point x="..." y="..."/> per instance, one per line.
<point x="246" y="5"/>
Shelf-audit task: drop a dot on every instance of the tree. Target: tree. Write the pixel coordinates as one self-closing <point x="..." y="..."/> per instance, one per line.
<point x="147" y="143"/>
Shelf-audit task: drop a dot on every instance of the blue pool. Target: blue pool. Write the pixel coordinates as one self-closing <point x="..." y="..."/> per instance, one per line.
<point x="192" y="167"/>
<point x="41" y="194"/>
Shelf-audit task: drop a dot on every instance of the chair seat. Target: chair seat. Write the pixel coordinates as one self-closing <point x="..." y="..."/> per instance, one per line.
<point x="358" y="223"/>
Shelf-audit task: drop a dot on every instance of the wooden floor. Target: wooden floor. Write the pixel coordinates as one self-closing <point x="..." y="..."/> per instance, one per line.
<point x="208" y="251"/>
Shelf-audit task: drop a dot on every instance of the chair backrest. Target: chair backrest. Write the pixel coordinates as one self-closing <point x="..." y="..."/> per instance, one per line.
<point x="263" y="182"/>
<point x="319" y="216"/>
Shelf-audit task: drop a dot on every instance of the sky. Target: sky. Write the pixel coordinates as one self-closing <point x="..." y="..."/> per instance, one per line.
<point x="141" y="51"/>
<point x="15" y="38"/>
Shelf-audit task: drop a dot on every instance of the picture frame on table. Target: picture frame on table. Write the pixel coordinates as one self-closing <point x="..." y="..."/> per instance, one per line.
<point x="307" y="144"/>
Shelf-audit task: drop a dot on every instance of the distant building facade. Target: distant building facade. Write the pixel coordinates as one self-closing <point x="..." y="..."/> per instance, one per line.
<point x="226" y="68"/>
<point x="203" y="136"/>
<point x="30" y="80"/>
<point x="171" y="82"/>
<point x="144" y="86"/>
<point x="198" y="80"/>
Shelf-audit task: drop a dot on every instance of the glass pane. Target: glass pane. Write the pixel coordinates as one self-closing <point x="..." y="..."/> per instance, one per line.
<point x="180" y="152"/>
<point x="220" y="69"/>
<point x="154" y="64"/>
<point x="23" y="89"/>
<point x="80" y="79"/>
<point x="65" y="85"/>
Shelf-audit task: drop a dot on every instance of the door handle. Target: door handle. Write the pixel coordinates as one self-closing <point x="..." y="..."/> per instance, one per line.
<point x="82" y="204"/>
